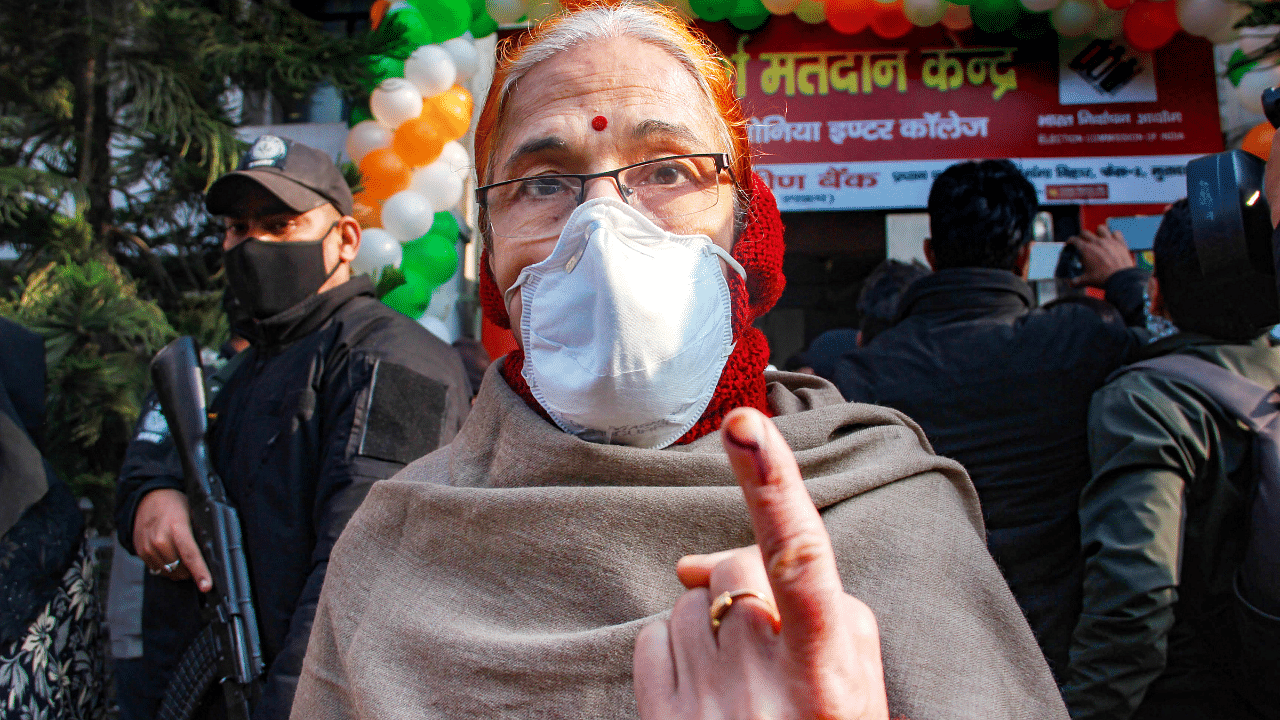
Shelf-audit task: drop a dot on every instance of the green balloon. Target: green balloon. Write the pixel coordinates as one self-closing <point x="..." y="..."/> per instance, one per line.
<point x="1032" y="25"/>
<point x="378" y="68"/>
<point x="447" y="18"/>
<point x="359" y="113"/>
<point x="402" y="32"/>
<point x="413" y="297"/>
<point x="433" y="256"/>
<point x="748" y="15"/>
<point x="478" y="10"/>
<point x="483" y="26"/>
<point x="445" y="226"/>
<point x="712" y="10"/>
<point x="995" y="16"/>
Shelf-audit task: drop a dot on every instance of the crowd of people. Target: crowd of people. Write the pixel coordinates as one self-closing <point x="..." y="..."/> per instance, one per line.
<point x="970" y="507"/>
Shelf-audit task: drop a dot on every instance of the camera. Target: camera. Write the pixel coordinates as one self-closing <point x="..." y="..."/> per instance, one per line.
<point x="1231" y="227"/>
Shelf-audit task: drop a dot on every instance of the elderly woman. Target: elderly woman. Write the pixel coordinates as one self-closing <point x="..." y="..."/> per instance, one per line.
<point x="630" y="247"/>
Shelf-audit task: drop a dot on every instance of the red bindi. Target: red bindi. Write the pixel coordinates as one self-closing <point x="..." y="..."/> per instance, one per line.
<point x="599" y="123"/>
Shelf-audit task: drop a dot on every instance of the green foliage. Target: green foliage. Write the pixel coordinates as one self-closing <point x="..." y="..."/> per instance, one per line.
<point x="99" y="337"/>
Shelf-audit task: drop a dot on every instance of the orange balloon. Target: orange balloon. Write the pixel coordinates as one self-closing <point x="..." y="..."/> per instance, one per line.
<point x="889" y="22"/>
<point x="377" y="11"/>
<point x="419" y="141"/>
<point x="1258" y="140"/>
<point x="384" y="174"/>
<point x="451" y="111"/>
<point x="366" y="210"/>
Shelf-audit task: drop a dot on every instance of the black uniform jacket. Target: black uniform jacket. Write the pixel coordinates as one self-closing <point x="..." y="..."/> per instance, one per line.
<point x="335" y="393"/>
<point x="1004" y="389"/>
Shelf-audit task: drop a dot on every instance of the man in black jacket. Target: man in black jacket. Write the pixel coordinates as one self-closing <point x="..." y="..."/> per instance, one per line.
<point x="335" y="392"/>
<point x="1004" y="387"/>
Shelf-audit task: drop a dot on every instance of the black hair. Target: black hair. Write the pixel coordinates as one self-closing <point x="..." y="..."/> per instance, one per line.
<point x="1193" y="303"/>
<point x="980" y="215"/>
<point x="881" y="291"/>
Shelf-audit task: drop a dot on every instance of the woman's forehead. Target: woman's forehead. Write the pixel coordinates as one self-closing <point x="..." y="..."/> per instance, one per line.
<point x="642" y="92"/>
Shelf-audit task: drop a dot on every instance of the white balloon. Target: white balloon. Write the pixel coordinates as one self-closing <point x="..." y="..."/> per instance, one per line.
<point x="430" y="68"/>
<point x="1108" y="24"/>
<point x="439" y="184"/>
<point x="540" y="10"/>
<point x="781" y="7"/>
<point x="394" y="101"/>
<point x="1205" y="17"/>
<point x="378" y="249"/>
<point x="1249" y="91"/>
<point x="465" y="58"/>
<point x="407" y="215"/>
<point x="1074" y="18"/>
<point x="811" y="11"/>
<point x="923" y="13"/>
<point x="1040" y="5"/>
<point x="366" y="136"/>
<point x="505" y="12"/>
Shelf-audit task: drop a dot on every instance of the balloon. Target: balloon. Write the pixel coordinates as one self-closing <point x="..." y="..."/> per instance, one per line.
<point x="781" y="7"/>
<point x="712" y="10"/>
<point x="889" y="21"/>
<point x="413" y="296"/>
<point x="378" y="68"/>
<point x="505" y="12"/>
<point x="957" y="17"/>
<point x="540" y="10"/>
<point x="465" y="58"/>
<point x="402" y="31"/>
<point x="383" y="173"/>
<point x="923" y="13"/>
<point x="418" y="141"/>
<point x="1040" y="5"/>
<point x="446" y="18"/>
<point x="407" y="215"/>
<point x="451" y="111"/>
<point x="1207" y="18"/>
<point x="994" y="16"/>
<point x="748" y="15"/>
<point x="365" y="210"/>
<point x="377" y="11"/>
<point x="849" y="16"/>
<point x="1149" y="25"/>
<point x="1108" y="24"/>
<point x="394" y="101"/>
<point x="1249" y="90"/>
<point x="483" y="26"/>
<point x="432" y="256"/>
<point x="365" y="136"/>
<point x="438" y="183"/>
<point x="1258" y="140"/>
<point x="1074" y="18"/>
<point x="378" y="249"/>
<point x="431" y="70"/>
<point x="811" y="11"/>
<point x="455" y="157"/>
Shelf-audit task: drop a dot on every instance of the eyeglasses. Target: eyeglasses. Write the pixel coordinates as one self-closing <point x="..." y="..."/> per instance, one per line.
<point x="662" y="189"/>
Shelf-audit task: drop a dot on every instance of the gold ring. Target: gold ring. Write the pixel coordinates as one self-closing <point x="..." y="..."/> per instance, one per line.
<point x="724" y="600"/>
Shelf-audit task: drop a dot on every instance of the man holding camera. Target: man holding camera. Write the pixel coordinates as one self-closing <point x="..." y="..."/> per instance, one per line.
<point x="335" y="392"/>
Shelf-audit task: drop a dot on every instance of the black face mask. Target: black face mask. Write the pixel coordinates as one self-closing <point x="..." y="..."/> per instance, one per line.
<point x="267" y="278"/>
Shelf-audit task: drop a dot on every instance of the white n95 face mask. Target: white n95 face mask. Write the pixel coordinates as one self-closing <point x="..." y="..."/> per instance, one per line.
<point x="626" y="326"/>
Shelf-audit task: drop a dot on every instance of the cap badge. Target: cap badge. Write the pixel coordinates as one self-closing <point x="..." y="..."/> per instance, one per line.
<point x="268" y="150"/>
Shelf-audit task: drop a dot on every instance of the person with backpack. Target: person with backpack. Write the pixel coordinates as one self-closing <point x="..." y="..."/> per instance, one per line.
<point x="1166" y="518"/>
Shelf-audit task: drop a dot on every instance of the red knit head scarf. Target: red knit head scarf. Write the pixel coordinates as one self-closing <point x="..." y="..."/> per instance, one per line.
<point x="759" y="249"/>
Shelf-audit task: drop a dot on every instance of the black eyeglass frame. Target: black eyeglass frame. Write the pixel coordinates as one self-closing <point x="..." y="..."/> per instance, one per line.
<point x="721" y="159"/>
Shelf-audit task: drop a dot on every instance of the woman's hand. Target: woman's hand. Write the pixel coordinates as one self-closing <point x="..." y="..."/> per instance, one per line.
<point x="816" y="656"/>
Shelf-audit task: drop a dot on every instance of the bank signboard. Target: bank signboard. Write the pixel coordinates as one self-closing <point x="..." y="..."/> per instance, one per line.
<point x="855" y="122"/>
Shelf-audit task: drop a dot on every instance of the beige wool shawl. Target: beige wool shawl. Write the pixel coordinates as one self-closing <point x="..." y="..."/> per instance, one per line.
<point x="507" y="574"/>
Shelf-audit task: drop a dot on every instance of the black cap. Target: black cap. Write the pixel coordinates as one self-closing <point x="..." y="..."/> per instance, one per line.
<point x="300" y="176"/>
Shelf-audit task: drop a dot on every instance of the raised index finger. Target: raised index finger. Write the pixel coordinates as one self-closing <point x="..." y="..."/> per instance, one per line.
<point x="793" y="541"/>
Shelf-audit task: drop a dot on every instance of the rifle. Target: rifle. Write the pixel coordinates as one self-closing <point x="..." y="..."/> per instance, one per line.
<point x="229" y="649"/>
